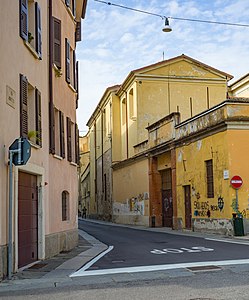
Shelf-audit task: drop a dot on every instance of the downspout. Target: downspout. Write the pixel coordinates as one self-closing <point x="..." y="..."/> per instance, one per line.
<point x="127" y="128"/>
<point x="95" y="169"/>
<point x="51" y="106"/>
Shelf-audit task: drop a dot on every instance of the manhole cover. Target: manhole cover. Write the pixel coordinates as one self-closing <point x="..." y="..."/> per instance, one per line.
<point x="203" y="268"/>
<point x="37" y="266"/>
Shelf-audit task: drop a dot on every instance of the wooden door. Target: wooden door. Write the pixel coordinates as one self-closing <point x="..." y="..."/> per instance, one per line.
<point x="27" y="219"/>
<point x="167" y="201"/>
<point x="188" y="213"/>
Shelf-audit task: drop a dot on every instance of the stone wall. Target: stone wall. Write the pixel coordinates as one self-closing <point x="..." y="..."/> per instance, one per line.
<point x="3" y="261"/>
<point x="61" y="241"/>
<point x="217" y="226"/>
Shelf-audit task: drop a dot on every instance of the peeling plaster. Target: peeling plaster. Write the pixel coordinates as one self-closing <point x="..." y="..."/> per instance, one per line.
<point x="198" y="145"/>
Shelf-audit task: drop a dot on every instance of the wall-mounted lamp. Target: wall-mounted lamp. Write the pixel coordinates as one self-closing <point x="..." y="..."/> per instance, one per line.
<point x="166" y="27"/>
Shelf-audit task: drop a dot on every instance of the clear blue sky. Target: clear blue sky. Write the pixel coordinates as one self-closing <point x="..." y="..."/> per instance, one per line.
<point x="116" y="41"/>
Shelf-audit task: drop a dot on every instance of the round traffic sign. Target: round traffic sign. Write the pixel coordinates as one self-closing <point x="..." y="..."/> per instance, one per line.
<point x="236" y="182"/>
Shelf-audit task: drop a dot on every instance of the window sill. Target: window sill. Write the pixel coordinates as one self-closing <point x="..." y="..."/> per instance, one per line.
<point x="34" y="145"/>
<point x="73" y="164"/>
<point x="31" y="49"/>
<point x="72" y="88"/>
<point x="58" y="157"/>
<point x="58" y="72"/>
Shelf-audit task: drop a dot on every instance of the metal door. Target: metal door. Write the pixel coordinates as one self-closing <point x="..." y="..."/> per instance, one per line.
<point x="188" y="213"/>
<point x="27" y="219"/>
<point x="167" y="201"/>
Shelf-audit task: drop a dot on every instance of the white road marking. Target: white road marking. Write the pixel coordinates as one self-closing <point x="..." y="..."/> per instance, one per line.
<point x="229" y="241"/>
<point x="81" y="272"/>
<point x="91" y="262"/>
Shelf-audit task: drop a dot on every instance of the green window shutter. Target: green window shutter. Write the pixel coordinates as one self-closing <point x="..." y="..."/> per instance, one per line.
<point x="23" y="19"/>
<point x="38" y="123"/>
<point x="67" y="60"/>
<point x="69" y="140"/>
<point x="23" y="106"/>
<point x="57" y="42"/>
<point x="62" y="135"/>
<point x="38" y="32"/>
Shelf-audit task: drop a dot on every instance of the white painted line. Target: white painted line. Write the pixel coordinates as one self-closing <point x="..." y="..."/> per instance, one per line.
<point x="90" y="263"/>
<point x="81" y="273"/>
<point x="228" y="241"/>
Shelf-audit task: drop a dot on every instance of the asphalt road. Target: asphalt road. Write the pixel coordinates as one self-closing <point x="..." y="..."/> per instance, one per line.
<point x="134" y="247"/>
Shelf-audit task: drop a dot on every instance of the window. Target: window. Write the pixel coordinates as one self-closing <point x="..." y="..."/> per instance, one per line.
<point x="65" y="206"/>
<point x="210" y="178"/>
<point x="71" y="68"/>
<point x="59" y="133"/>
<point x="30" y="112"/>
<point x="57" y="42"/>
<point x="123" y="110"/>
<point x="72" y="142"/>
<point x="71" y="5"/>
<point x="131" y="105"/>
<point x="30" y="24"/>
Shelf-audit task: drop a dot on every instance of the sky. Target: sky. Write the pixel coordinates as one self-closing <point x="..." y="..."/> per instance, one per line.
<point x="116" y="41"/>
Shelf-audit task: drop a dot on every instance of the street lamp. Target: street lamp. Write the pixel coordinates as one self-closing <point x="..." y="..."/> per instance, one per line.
<point x="167" y="28"/>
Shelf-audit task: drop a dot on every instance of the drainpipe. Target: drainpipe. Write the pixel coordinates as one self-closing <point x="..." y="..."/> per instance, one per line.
<point x="127" y="128"/>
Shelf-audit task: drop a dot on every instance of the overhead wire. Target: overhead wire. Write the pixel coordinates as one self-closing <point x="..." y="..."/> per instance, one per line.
<point x="169" y="17"/>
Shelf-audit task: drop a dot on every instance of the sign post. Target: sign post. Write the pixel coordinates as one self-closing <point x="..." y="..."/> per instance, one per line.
<point x="19" y="154"/>
<point x="236" y="182"/>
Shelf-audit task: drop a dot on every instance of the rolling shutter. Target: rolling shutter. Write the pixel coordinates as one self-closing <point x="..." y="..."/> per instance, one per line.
<point x="38" y="124"/>
<point x="67" y="60"/>
<point x="24" y="19"/>
<point x="23" y="106"/>
<point x="57" y="42"/>
<point x="62" y="135"/>
<point x="38" y="41"/>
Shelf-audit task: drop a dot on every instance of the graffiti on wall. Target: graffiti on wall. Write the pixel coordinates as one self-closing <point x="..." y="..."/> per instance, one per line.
<point x="204" y="209"/>
<point x="134" y="205"/>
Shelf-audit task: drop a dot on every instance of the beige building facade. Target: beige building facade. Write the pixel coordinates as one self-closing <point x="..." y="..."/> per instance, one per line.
<point x="38" y="98"/>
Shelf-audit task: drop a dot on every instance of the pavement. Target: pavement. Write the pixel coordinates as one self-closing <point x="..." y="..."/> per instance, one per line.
<point x="56" y="271"/>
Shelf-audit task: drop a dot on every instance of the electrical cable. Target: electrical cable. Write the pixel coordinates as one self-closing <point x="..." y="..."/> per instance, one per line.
<point x="173" y="18"/>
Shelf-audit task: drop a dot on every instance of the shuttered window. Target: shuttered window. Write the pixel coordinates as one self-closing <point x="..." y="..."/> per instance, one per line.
<point x="78" y="32"/>
<point x="65" y="205"/>
<point x="74" y="70"/>
<point x="38" y="33"/>
<point x="24" y="19"/>
<point x="51" y="128"/>
<point x="57" y="42"/>
<point x="69" y="140"/>
<point x="62" y="135"/>
<point x="23" y="106"/>
<point x="77" y="84"/>
<point x="210" y="178"/>
<point x="77" y="147"/>
<point x="38" y="123"/>
<point x="67" y="56"/>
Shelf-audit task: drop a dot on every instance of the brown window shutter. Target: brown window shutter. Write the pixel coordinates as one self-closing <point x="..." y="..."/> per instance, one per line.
<point x="38" y="123"/>
<point x="51" y="129"/>
<point x="57" y="42"/>
<point x="74" y="70"/>
<point x="38" y="33"/>
<point x="77" y="147"/>
<point x="67" y="60"/>
<point x="78" y="32"/>
<point x="77" y="84"/>
<point x="69" y="140"/>
<point x="24" y="19"/>
<point x="23" y="106"/>
<point x="62" y="135"/>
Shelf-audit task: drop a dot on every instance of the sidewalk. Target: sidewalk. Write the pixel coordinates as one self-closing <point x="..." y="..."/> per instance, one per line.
<point x="55" y="271"/>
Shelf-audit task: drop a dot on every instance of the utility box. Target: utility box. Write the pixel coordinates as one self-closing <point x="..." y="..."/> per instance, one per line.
<point x="238" y="226"/>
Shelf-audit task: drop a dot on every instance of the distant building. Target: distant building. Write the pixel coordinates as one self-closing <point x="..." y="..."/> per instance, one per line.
<point x="38" y="98"/>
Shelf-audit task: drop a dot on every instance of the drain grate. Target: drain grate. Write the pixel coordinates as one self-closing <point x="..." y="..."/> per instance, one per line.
<point x="204" y="268"/>
<point x="37" y="266"/>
